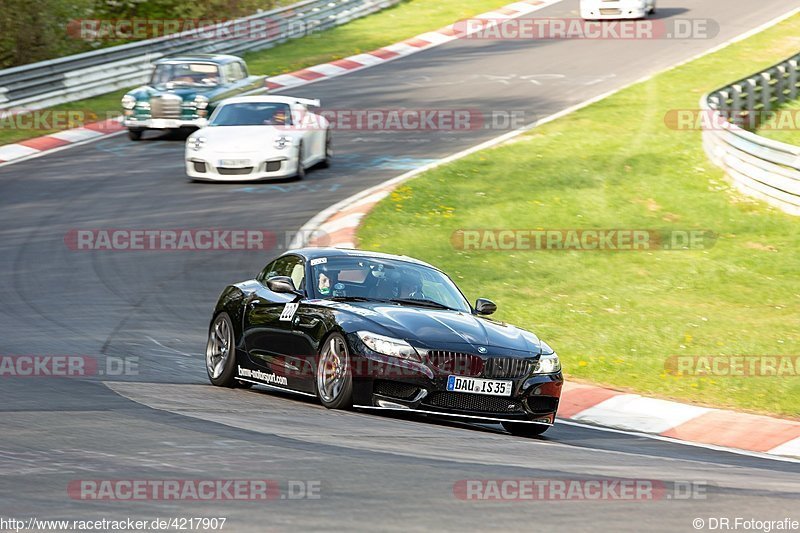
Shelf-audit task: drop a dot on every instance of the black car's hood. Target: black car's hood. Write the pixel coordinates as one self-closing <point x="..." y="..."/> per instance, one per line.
<point x="434" y="328"/>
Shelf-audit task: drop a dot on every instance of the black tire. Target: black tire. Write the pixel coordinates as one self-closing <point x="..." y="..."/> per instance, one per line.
<point x="135" y="135"/>
<point x="301" y="170"/>
<point x="340" y="397"/>
<point x="525" y="430"/>
<point x="221" y="369"/>
<point x="326" y="163"/>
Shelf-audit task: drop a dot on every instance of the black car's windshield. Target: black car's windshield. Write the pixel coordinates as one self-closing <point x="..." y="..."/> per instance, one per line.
<point x="252" y="114"/>
<point x="186" y="74"/>
<point x="357" y="278"/>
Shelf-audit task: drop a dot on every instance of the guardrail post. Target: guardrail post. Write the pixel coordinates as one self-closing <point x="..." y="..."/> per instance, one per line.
<point x="780" y="84"/>
<point x="765" y="80"/>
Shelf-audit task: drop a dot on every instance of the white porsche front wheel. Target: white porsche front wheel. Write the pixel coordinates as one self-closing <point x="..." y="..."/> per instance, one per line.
<point x="301" y="169"/>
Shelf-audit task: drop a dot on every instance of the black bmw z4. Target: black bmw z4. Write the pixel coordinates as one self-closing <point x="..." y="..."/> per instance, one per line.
<point x="369" y="330"/>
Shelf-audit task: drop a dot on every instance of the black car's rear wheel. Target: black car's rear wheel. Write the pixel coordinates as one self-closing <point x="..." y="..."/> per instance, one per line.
<point x="334" y="378"/>
<point x="525" y="430"/>
<point x="221" y="352"/>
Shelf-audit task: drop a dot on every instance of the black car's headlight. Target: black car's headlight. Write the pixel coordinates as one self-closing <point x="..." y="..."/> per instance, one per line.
<point x="388" y="345"/>
<point x="547" y="364"/>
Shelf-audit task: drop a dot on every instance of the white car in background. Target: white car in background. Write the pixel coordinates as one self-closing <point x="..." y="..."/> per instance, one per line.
<point x="617" y="9"/>
<point x="259" y="137"/>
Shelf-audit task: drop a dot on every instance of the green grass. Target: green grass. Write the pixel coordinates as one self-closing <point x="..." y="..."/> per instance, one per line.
<point x="406" y="20"/>
<point x="616" y="317"/>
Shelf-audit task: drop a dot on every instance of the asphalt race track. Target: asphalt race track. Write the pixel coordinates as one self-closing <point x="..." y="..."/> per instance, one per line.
<point x="375" y="472"/>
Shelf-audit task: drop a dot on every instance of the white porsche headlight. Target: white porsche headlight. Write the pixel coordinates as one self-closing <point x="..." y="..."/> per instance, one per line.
<point x="388" y="345"/>
<point x="547" y="364"/>
<point x="128" y="101"/>
<point x="282" y="142"/>
<point x="196" y="143"/>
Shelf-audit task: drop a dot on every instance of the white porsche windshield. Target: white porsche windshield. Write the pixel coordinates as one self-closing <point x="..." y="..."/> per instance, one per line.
<point x="369" y="278"/>
<point x="252" y="114"/>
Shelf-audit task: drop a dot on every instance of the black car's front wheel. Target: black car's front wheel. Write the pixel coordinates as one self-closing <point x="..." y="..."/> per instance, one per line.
<point x="221" y="352"/>
<point x="525" y="430"/>
<point x="334" y="378"/>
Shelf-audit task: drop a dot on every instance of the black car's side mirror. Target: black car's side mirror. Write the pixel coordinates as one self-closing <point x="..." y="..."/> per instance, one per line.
<point x="283" y="284"/>
<point x="484" y="306"/>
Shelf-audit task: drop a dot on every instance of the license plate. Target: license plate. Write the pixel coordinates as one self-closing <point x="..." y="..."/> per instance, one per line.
<point x="492" y="387"/>
<point x="234" y="163"/>
<point x="162" y="123"/>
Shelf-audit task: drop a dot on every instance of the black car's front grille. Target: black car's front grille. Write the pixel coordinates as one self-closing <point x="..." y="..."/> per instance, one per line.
<point x="225" y="171"/>
<point x="199" y="166"/>
<point x="542" y="404"/>
<point x="506" y="368"/>
<point x="462" y="364"/>
<point x="166" y="106"/>
<point x="272" y="166"/>
<point x="477" y="403"/>
<point x="395" y="389"/>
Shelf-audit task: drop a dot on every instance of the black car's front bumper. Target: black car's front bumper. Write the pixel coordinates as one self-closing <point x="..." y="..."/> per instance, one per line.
<point x="418" y="387"/>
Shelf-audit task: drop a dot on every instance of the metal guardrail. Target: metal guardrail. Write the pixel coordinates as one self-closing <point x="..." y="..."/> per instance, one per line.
<point x="760" y="167"/>
<point x="102" y="71"/>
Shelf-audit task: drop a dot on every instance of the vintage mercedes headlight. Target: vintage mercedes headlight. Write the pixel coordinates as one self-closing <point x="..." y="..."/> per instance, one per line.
<point x="548" y="363"/>
<point x="388" y="345"/>
<point x="128" y="101"/>
<point x="282" y="142"/>
<point x="196" y="143"/>
<point x="200" y="101"/>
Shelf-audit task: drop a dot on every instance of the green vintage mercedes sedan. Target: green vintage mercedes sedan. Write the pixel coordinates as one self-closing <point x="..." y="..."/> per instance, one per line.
<point x="183" y="91"/>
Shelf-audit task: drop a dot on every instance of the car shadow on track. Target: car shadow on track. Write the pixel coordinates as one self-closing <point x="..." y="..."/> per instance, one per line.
<point x="399" y="415"/>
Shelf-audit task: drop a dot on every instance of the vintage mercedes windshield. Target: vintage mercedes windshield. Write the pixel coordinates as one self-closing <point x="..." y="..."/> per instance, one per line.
<point x="369" y="278"/>
<point x="187" y="74"/>
<point x="252" y="114"/>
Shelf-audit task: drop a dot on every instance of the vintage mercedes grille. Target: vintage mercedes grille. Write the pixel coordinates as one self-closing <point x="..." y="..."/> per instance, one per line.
<point x="462" y="364"/>
<point x="165" y="106"/>
<point x="506" y="368"/>
<point x="542" y="404"/>
<point x="272" y="166"/>
<point x="225" y="171"/>
<point x="474" y="402"/>
<point x="610" y="11"/>
<point x="395" y="389"/>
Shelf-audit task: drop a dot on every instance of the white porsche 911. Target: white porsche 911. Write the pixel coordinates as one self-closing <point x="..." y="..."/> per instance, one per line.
<point x="617" y="9"/>
<point x="259" y="137"/>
